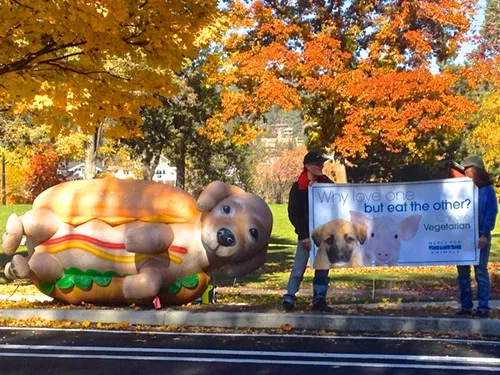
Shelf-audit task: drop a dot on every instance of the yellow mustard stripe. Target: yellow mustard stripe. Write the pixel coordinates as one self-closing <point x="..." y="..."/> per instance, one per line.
<point x="174" y="258"/>
<point x="80" y="245"/>
<point x="167" y="219"/>
<point x="114" y="221"/>
<point x="77" y="220"/>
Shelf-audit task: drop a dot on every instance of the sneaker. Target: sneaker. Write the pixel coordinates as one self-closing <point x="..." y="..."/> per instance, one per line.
<point x="463" y="312"/>
<point x="321" y="306"/>
<point x="287" y="306"/>
<point x="482" y="314"/>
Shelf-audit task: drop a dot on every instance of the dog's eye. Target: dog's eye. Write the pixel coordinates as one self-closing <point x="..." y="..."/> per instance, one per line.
<point x="254" y="233"/>
<point x="373" y="234"/>
<point x="348" y="238"/>
<point x="226" y="209"/>
<point x="395" y="236"/>
<point x="330" y="240"/>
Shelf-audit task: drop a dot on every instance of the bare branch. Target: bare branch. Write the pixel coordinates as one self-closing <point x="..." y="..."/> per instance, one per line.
<point x="138" y="43"/>
<point x="60" y="58"/>
<point x="89" y="73"/>
<point x="23" y="5"/>
<point x="136" y="35"/>
<point x="27" y="60"/>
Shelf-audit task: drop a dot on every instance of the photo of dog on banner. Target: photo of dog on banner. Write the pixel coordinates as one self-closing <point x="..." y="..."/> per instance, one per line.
<point x="363" y="241"/>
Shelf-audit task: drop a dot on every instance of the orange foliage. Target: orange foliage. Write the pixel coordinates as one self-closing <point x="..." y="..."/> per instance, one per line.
<point x="44" y="171"/>
<point x="360" y="71"/>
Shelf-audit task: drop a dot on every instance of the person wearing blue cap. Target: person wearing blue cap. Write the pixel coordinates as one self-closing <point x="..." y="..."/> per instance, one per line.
<point x="487" y="212"/>
<point x="298" y="213"/>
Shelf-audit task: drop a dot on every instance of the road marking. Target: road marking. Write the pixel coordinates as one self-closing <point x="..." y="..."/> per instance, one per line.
<point x="259" y="335"/>
<point x="421" y="358"/>
<point x="252" y="361"/>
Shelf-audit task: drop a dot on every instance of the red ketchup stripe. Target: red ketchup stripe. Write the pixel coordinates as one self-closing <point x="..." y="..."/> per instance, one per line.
<point x="178" y="249"/>
<point x="83" y="237"/>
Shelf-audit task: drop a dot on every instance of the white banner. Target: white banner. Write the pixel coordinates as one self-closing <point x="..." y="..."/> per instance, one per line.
<point x="405" y="224"/>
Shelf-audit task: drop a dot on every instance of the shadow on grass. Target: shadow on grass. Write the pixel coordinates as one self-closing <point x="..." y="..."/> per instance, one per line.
<point x="280" y="256"/>
<point x="4" y="259"/>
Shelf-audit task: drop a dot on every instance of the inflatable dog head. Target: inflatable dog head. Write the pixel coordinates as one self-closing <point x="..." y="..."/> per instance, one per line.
<point x="236" y="228"/>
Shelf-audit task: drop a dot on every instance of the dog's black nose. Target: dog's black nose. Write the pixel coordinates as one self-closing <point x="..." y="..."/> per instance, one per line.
<point x="225" y="237"/>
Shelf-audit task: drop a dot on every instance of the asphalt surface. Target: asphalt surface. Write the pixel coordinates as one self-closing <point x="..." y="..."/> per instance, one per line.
<point x="82" y="351"/>
<point x="275" y="320"/>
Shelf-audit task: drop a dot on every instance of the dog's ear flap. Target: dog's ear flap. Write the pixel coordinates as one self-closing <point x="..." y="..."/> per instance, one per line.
<point x="361" y="231"/>
<point x="246" y="266"/>
<point x="213" y="193"/>
<point x="317" y="235"/>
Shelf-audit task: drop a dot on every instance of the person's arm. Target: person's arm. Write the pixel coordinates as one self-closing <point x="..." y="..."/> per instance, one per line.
<point x="293" y="215"/>
<point x="490" y="214"/>
<point x="489" y="219"/>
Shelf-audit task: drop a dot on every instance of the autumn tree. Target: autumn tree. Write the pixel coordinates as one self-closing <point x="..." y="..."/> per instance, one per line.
<point x="483" y="133"/>
<point x="491" y="26"/>
<point x="366" y="75"/>
<point x="80" y="62"/>
<point x="275" y="176"/>
<point x="44" y="171"/>
<point x="173" y="129"/>
<point x="21" y="140"/>
<point x="487" y="133"/>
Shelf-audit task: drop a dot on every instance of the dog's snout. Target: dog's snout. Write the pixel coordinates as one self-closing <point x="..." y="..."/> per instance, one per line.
<point x="225" y="237"/>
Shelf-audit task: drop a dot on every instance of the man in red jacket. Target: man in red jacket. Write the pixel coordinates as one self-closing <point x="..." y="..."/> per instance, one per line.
<point x="298" y="213"/>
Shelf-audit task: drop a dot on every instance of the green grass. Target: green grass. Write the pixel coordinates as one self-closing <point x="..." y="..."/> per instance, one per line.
<point x="274" y="275"/>
<point x="280" y="259"/>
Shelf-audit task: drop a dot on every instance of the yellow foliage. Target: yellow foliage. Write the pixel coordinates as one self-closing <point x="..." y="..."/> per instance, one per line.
<point x="487" y="133"/>
<point x="15" y="181"/>
<point x="71" y="146"/>
<point x="90" y="60"/>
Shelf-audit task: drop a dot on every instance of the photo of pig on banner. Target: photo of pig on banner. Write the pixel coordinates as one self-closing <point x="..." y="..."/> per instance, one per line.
<point x="394" y="224"/>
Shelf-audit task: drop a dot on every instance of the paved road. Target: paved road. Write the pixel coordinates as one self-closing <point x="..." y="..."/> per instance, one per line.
<point x="50" y="351"/>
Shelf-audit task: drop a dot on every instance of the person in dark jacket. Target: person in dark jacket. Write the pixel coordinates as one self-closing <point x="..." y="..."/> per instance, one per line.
<point x="298" y="213"/>
<point x="487" y="212"/>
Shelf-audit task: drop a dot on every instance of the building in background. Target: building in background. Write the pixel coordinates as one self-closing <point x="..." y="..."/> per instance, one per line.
<point x="164" y="172"/>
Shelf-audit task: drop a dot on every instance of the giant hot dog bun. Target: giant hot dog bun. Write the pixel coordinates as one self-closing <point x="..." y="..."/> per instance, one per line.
<point x="117" y="201"/>
<point x="178" y="294"/>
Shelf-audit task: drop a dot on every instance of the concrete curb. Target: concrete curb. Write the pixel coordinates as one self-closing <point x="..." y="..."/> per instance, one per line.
<point x="236" y="320"/>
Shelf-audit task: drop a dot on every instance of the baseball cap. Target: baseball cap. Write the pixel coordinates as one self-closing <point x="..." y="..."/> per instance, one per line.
<point x="473" y="161"/>
<point x="313" y="157"/>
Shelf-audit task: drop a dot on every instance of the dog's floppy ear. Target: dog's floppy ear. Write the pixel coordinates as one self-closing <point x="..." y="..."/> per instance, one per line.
<point x="317" y="235"/>
<point x="361" y="231"/>
<point x="213" y="193"/>
<point x="246" y="266"/>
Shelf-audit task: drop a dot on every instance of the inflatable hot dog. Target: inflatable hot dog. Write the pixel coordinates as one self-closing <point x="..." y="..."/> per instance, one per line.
<point x="130" y="241"/>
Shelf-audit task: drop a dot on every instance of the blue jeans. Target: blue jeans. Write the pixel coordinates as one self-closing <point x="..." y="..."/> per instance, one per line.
<point x="482" y="280"/>
<point x="320" y="281"/>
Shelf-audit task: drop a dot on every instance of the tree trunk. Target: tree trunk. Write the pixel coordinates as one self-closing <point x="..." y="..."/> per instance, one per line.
<point x="279" y="192"/>
<point x="180" y="166"/>
<point x="90" y="167"/>
<point x="149" y="163"/>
